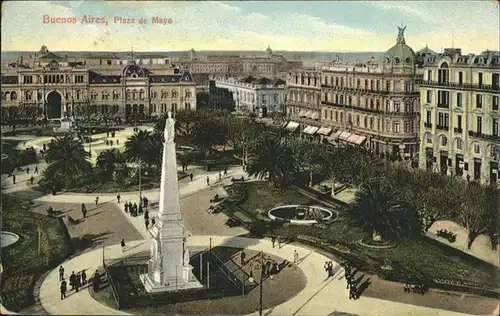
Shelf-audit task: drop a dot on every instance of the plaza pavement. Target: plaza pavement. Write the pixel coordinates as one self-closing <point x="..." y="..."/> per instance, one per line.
<point x="321" y="296"/>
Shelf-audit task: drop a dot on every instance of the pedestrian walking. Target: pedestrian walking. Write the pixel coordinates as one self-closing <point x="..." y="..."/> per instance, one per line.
<point x="326" y="266"/>
<point x="279" y="242"/>
<point x="63" y="288"/>
<point x="78" y="281"/>
<point x="61" y="273"/>
<point x="96" y="281"/>
<point x="36" y="168"/>
<point x="84" y="212"/>
<point x="118" y="197"/>
<point x="242" y="258"/>
<point x="208" y="181"/>
<point x="122" y="243"/>
<point x="352" y="291"/>
<point x="31" y="180"/>
<point x="295" y="257"/>
<point x="146" y="215"/>
<point x="28" y="170"/>
<point x="191" y="176"/>
<point x="273" y="240"/>
<point x="126" y="207"/>
<point x="117" y="142"/>
<point x="13" y="178"/>
<point x="330" y="269"/>
<point x="96" y="200"/>
<point x="72" y="280"/>
<point x="146" y="222"/>
<point x="225" y="171"/>
<point x="84" y="277"/>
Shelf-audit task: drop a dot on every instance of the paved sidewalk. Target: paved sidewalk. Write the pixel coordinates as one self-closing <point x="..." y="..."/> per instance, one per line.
<point x="320" y="296"/>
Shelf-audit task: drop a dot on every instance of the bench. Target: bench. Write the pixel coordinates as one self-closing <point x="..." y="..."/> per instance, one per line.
<point x="415" y="288"/>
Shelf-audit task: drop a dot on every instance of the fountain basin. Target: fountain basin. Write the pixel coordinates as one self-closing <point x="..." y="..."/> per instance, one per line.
<point x="8" y="238"/>
<point x="300" y="214"/>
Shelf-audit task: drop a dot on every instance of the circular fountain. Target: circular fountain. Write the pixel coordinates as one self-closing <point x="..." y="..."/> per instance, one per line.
<point x="8" y="238"/>
<point x="301" y="214"/>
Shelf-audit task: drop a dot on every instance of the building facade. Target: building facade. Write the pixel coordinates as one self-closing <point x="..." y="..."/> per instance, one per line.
<point x="460" y="115"/>
<point x="233" y="65"/>
<point x="53" y="87"/>
<point x="258" y="95"/>
<point x="376" y="105"/>
<point x="303" y="103"/>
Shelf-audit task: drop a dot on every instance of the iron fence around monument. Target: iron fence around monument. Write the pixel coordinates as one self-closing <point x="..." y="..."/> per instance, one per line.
<point x="217" y="278"/>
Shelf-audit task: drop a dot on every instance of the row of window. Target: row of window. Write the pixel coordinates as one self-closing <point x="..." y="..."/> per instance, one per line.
<point x="30" y="79"/>
<point x="444" y="77"/>
<point x="443" y="121"/>
<point x="310" y="81"/>
<point x="136" y="95"/>
<point x="373" y="104"/>
<point x="368" y="122"/>
<point x="444" y="99"/>
<point x="374" y="85"/>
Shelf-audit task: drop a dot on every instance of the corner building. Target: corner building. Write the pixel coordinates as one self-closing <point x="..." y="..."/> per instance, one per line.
<point x="460" y="115"/>
<point x="375" y="104"/>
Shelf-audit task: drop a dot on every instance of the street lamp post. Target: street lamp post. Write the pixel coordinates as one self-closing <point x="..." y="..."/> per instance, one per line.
<point x="261" y="281"/>
<point x="90" y="131"/>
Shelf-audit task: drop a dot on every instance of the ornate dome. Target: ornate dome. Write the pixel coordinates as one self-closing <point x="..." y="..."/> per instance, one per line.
<point x="400" y="55"/>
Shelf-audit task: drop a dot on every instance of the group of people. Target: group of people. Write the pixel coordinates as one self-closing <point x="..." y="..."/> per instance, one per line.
<point x="32" y="178"/>
<point x="135" y="208"/>
<point x="329" y="268"/>
<point x="146" y="220"/>
<point x="352" y="283"/>
<point x="276" y="240"/>
<point x="76" y="281"/>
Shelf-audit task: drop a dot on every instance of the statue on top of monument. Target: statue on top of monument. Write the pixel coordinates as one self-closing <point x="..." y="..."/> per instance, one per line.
<point x="401" y="34"/>
<point x="169" y="128"/>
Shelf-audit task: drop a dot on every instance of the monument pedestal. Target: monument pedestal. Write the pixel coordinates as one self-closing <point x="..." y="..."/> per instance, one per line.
<point x="185" y="281"/>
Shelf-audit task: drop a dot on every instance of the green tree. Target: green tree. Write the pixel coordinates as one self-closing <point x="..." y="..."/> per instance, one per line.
<point x="473" y="211"/>
<point x="135" y="147"/>
<point x="67" y="161"/>
<point x="309" y="156"/>
<point x="492" y="204"/>
<point x="208" y="133"/>
<point x="273" y="158"/>
<point x="382" y="212"/>
<point x="109" y="161"/>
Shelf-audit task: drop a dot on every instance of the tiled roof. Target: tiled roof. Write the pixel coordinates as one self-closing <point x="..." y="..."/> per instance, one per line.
<point x="263" y="81"/>
<point x="97" y="78"/>
<point x="10" y="80"/>
<point x="152" y="56"/>
<point x="165" y="79"/>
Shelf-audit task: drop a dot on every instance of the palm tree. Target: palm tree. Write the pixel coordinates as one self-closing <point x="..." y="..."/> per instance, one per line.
<point x="273" y="158"/>
<point x="67" y="161"/>
<point x="135" y="147"/>
<point x="382" y="213"/>
<point x="108" y="161"/>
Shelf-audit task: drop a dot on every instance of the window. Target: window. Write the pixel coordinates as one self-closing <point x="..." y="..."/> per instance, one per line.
<point x="477" y="149"/>
<point x="446" y="120"/>
<point x="495" y="127"/>
<point x="407" y="127"/>
<point x="494" y="105"/>
<point x="395" y="127"/>
<point x="396" y="106"/>
<point x="371" y="122"/>
<point x="429" y="96"/>
<point x="460" y="77"/>
<point x="388" y="105"/>
<point x="429" y="75"/>
<point x="495" y="81"/>
<point x="440" y="119"/>
<point x="357" y="120"/>
<point x="388" y="86"/>
<point x="444" y="141"/>
<point x="187" y="106"/>
<point x="429" y="116"/>
<point x="460" y="143"/>
<point x="480" y="78"/>
<point x="479" y="124"/>
<point x="366" y="122"/>
<point x="459" y="121"/>
<point x="479" y="100"/>
<point x="459" y="100"/>
<point x="336" y="116"/>
<point x="341" y="117"/>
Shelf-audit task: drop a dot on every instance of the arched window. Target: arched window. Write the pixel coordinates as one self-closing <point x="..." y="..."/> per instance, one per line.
<point x="154" y="95"/>
<point x="141" y="94"/>
<point x="174" y="94"/>
<point x="116" y="95"/>
<point x="93" y="95"/>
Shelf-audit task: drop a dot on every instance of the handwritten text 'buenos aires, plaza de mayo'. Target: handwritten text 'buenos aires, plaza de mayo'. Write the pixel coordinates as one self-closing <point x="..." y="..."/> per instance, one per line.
<point x="89" y="19"/>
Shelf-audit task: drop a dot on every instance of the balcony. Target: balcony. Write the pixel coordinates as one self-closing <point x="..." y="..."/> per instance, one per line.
<point x="443" y="106"/>
<point x="428" y="125"/>
<point x="458" y="130"/>
<point x="484" y="136"/>
<point x="442" y="127"/>
<point x="460" y="86"/>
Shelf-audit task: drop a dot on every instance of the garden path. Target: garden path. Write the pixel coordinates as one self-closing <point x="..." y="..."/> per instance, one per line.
<point x="320" y="296"/>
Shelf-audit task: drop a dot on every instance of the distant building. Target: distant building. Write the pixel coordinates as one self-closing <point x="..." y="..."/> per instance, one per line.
<point x="460" y="115"/>
<point x="54" y="87"/>
<point x="234" y="65"/>
<point x="258" y="95"/>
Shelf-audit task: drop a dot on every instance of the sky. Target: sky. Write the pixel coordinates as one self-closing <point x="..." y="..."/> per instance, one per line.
<point x="337" y="26"/>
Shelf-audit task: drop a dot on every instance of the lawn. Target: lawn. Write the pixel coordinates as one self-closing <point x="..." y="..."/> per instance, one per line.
<point x="22" y="263"/>
<point x="416" y="259"/>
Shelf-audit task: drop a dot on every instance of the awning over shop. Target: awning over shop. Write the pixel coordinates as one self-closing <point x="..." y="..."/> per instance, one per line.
<point x="302" y="113"/>
<point x="324" y="131"/>
<point x="336" y="135"/>
<point x="315" y="116"/>
<point x="344" y="135"/>
<point x="292" y="126"/>
<point x="309" y="114"/>
<point x="311" y="130"/>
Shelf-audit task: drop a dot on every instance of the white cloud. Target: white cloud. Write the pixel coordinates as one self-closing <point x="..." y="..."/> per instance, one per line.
<point x="404" y="7"/>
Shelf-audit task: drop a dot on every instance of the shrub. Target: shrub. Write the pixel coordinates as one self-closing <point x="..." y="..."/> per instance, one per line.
<point x="450" y="236"/>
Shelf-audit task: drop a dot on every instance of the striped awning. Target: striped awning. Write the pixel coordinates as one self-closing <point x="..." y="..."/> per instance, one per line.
<point x="310" y="130"/>
<point x="309" y="114"/>
<point x="344" y="135"/>
<point x="302" y="113"/>
<point x="315" y="116"/>
<point x="324" y="131"/>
